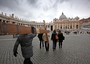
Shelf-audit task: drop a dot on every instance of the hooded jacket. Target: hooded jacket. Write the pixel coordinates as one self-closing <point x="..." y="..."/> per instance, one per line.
<point x="26" y="45"/>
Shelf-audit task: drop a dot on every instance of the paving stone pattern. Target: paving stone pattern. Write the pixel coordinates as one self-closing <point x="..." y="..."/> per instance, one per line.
<point x="75" y="50"/>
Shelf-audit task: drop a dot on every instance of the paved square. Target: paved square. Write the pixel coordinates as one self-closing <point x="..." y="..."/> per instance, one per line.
<point x="75" y="50"/>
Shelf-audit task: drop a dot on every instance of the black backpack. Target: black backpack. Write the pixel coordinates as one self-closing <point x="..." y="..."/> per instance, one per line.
<point x="63" y="38"/>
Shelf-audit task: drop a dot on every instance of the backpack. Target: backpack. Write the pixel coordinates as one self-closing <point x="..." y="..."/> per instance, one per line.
<point x="63" y="38"/>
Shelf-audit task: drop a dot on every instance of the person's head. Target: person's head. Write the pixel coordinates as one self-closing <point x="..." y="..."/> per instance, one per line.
<point x="59" y="31"/>
<point x="33" y="29"/>
<point x="54" y="31"/>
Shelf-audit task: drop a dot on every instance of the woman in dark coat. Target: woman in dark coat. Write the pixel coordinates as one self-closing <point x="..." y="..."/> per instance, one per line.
<point x="40" y="36"/>
<point x="53" y="38"/>
<point x="60" y="38"/>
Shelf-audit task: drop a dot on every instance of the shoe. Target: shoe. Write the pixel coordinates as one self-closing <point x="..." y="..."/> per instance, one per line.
<point x="59" y="46"/>
<point x="40" y="47"/>
<point x="54" y="49"/>
<point x="47" y="50"/>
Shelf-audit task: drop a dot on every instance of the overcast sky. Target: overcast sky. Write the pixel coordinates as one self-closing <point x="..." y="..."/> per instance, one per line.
<point x="39" y="10"/>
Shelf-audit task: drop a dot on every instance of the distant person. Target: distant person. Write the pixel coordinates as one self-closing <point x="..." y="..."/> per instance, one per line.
<point x="25" y="40"/>
<point x="60" y="38"/>
<point x="46" y="42"/>
<point x="54" y="39"/>
<point x="40" y="36"/>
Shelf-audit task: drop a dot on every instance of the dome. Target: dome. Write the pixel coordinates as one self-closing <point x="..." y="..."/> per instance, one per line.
<point x="77" y="18"/>
<point x="62" y="17"/>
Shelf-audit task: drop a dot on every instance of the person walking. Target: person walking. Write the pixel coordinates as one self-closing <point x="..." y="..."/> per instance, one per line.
<point x="46" y="42"/>
<point x="60" y="38"/>
<point x="25" y="40"/>
<point x="40" y="36"/>
<point x="54" y="39"/>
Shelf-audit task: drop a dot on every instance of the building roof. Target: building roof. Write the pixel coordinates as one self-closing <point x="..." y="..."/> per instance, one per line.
<point x="62" y="17"/>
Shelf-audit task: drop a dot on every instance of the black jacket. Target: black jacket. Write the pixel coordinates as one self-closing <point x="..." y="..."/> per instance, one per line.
<point x="53" y="37"/>
<point x="40" y="36"/>
<point x="61" y="37"/>
<point x="26" y="45"/>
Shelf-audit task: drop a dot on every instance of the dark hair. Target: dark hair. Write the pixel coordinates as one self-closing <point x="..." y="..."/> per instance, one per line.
<point x="59" y="31"/>
<point x="33" y="29"/>
<point x="54" y="31"/>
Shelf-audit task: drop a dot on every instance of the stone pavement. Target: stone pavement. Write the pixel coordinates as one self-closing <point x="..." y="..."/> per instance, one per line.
<point x="75" y="50"/>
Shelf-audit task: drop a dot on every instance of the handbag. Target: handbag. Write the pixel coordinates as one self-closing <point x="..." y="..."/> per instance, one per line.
<point x="56" y="37"/>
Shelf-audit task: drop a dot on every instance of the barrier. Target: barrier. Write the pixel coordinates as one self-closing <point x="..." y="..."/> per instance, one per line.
<point x="12" y="29"/>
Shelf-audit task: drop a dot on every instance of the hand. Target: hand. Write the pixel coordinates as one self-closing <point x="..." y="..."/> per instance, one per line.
<point x="15" y="54"/>
<point x="33" y="30"/>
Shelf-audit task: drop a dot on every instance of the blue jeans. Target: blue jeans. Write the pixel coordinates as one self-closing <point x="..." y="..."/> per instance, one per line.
<point x="41" y="43"/>
<point x="54" y="44"/>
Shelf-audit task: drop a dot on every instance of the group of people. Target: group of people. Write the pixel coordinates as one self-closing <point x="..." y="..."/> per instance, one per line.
<point x="43" y="38"/>
<point x="55" y="37"/>
<point x="25" y="41"/>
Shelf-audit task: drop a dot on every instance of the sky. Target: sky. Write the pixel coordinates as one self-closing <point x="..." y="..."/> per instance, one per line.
<point x="39" y="10"/>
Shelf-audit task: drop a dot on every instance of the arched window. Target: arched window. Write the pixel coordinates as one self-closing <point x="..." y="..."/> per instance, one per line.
<point x="4" y="21"/>
<point x="70" y="26"/>
<point x="76" y="26"/>
<point x="13" y="22"/>
<point x="0" y="20"/>
<point x="61" y="27"/>
<point x="66" y="27"/>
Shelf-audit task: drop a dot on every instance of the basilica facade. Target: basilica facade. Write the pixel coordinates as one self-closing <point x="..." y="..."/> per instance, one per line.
<point x="64" y="23"/>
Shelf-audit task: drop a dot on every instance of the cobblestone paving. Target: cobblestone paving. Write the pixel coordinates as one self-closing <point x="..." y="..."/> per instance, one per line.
<point x="75" y="50"/>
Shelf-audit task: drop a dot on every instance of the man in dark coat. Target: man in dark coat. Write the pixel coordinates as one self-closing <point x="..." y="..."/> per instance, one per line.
<point x="53" y="38"/>
<point x="60" y="38"/>
<point x="25" y="40"/>
<point x="40" y="36"/>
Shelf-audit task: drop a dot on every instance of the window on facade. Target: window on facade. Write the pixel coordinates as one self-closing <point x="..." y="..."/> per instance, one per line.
<point x="0" y="20"/>
<point x="4" y="21"/>
<point x="7" y="21"/>
<point x="19" y="23"/>
<point x="76" y="26"/>
<point x="66" y="27"/>
<point x="71" y="27"/>
<point x="48" y="26"/>
<point x="61" y="27"/>
<point x="13" y="22"/>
